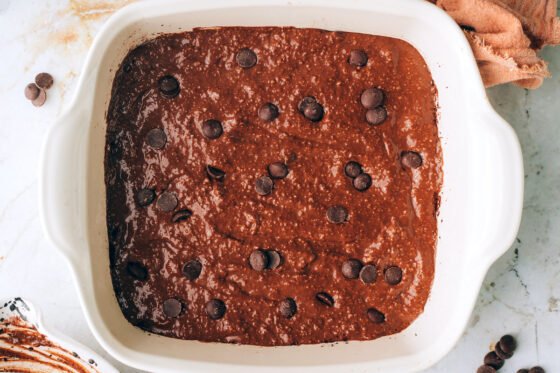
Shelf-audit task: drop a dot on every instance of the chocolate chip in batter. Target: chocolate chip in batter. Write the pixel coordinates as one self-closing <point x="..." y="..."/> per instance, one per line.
<point x="274" y="259"/>
<point x="311" y="109"/>
<point x="508" y="344"/>
<point x="246" y="58"/>
<point x="44" y="80"/>
<point x="485" y="369"/>
<point x="212" y="129"/>
<point x="258" y="260"/>
<point x="368" y="274"/>
<point x="137" y="270"/>
<point x="352" y="169"/>
<point x="215" y="173"/>
<point x="362" y="182"/>
<point x="288" y="308"/>
<point x="264" y="185"/>
<point x="156" y="138"/>
<point x="375" y="316"/>
<point x="172" y="307"/>
<point x="167" y="202"/>
<point x="145" y="196"/>
<point x="127" y="67"/>
<point x="523" y="371"/>
<point x="393" y="275"/>
<point x="31" y="91"/>
<point x="411" y="159"/>
<point x="181" y="215"/>
<point x="277" y="170"/>
<point x="215" y="309"/>
<point x="192" y="269"/>
<point x="358" y="57"/>
<point x="268" y="112"/>
<point x="372" y="98"/>
<point x="501" y="353"/>
<point x="351" y="268"/>
<point x="493" y="360"/>
<point x="169" y="86"/>
<point x="325" y="298"/>
<point x="376" y="116"/>
<point x="337" y="214"/>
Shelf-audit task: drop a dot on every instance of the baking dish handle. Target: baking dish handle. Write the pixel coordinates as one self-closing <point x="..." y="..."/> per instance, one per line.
<point x="61" y="182"/>
<point x="498" y="171"/>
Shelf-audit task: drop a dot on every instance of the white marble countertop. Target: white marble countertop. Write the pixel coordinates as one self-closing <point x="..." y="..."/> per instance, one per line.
<point x="521" y="293"/>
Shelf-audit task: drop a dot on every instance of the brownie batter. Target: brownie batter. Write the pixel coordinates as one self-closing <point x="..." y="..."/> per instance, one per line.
<point x="272" y="186"/>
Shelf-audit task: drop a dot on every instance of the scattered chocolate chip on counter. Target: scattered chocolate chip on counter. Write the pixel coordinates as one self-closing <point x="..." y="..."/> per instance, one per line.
<point x="503" y="350"/>
<point x="32" y="91"/>
<point x="37" y="92"/>
<point x="44" y="80"/>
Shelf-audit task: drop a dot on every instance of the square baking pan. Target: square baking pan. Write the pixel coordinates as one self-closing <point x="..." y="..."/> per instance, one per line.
<point x="480" y="206"/>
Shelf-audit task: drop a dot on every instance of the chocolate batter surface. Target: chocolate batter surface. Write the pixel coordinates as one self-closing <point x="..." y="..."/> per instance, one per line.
<point x="272" y="186"/>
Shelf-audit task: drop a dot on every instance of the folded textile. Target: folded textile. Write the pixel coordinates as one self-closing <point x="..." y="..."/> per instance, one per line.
<point x="506" y="35"/>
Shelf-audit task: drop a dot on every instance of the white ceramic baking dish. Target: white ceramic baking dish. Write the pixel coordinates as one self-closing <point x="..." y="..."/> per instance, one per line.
<point x="479" y="216"/>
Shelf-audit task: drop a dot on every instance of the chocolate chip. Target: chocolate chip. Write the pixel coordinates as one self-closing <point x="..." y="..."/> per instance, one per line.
<point x="337" y="214"/>
<point x="362" y="182"/>
<point x="268" y="112"/>
<point x="368" y="274"/>
<point x="277" y="170"/>
<point x="393" y="275"/>
<point x="215" y="309"/>
<point x="172" y="307"/>
<point x="372" y="98"/>
<point x="40" y="100"/>
<point x="215" y="173"/>
<point x="127" y="67"/>
<point x="192" y="269"/>
<point x="167" y="202"/>
<point x="288" y="308"/>
<point x="181" y="215"/>
<point x="508" y="344"/>
<point x="31" y="91"/>
<point x="325" y="298"/>
<point x="376" y="116"/>
<point x="523" y="371"/>
<point x="485" y="369"/>
<point x="352" y="169"/>
<point x="536" y="370"/>
<point x="501" y="353"/>
<point x="137" y="270"/>
<point x="44" y="80"/>
<point x="212" y="129"/>
<point x="493" y="360"/>
<point x="169" y="86"/>
<point x="246" y="58"/>
<point x="156" y="138"/>
<point x="264" y="185"/>
<point x="311" y="109"/>
<point x="351" y="268"/>
<point x="274" y="259"/>
<point x="145" y="196"/>
<point x="411" y="159"/>
<point x="258" y="260"/>
<point x="375" y="316"/>
<point x="358" y="57"/>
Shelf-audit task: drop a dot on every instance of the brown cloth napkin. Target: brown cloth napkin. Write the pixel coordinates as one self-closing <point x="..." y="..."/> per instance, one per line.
<point x="505" y="36"/>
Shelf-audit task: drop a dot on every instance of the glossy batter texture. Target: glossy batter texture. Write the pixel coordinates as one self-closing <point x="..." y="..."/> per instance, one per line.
<point x="329" y="252"/>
